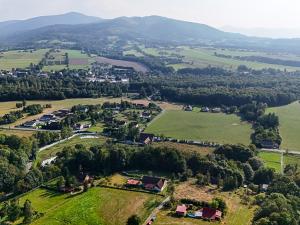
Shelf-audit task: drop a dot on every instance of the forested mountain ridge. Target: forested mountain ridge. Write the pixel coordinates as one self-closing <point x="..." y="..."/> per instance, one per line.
<point x="89" y="32"/>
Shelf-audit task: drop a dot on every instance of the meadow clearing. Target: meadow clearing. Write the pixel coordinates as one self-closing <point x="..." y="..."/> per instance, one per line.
<point x="289" y="126"/>
<point x="101" y="206"/>
<point x="87" y="142"/>
<point x="20" y="59"/>
<point x="203" y="57"/>
<point x="198" y="126"/>
<point x="271" y="160"/>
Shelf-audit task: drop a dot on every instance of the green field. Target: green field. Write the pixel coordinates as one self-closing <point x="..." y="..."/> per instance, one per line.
<point x="203" y="57"/>
<point x="97" y="206"/>
<point x="87" y="142"/>
<point x="289" y="128"/>
<point x="271" y="160"/>
<point x="220" y="128"/>
<point x="20" y="59"/>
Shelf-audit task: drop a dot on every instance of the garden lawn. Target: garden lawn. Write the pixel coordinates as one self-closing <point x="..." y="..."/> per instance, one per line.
<point x="87" y="142"/>
<point x="289" y="127"/>
<point x="200" y="126"/>
<point x="271" y="160"/>
<point x="100" y="206"/>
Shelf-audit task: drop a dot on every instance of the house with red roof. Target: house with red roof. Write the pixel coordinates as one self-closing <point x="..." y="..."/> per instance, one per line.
<point x="211" y="214"/>
<point x="133" y="183"/>
<point x="154" y="183"/>
<point x="181" y="210"/>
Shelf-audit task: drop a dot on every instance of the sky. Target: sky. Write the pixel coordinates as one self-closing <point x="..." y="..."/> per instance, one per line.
<point x="231" y="14"/>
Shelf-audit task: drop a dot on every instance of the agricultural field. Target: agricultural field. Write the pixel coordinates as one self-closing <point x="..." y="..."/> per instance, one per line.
<point x="292" y="159"/>
<point x="20" y="133"/>
<point x="77" y="60"/>
<point x="271" y="160"/>
<point x="198" y="126"/>
<point x="137" y="66"/>
<point x="238" y="213"/>
<point x="203" y="57"/>
<point x="87" y="142"/>
<point x="289" y="125"/>
<point x="97" y="206"/>
<point x="186" y="148"/>
<point x="20" y="59"/>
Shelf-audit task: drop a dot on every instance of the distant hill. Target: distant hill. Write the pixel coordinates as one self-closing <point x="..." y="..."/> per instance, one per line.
<point x="95" y="33"/>
<point x="14" y="27"/>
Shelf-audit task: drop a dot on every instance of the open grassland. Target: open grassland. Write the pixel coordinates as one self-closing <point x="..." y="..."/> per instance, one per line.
<point x="97" y="206"/>
<point x="238" y="213"/>
<point x="186" y="148"/>
<point x="77" y="60"/>
<point x="20" y="59"/>
<point x="292" y="159"/>
<point x="289" y="127"/>
<point x="20" y="133"/>
<point x="87" y="142"/>
<point x="200" y="126"/>
<point x="271" y="160"/>
<point x="203" y="57"/>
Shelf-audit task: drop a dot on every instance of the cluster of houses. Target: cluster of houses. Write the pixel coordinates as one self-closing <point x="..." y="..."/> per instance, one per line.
<point x="149" y="183"/>
<point x="205" y="213"/>
<point x="54" y="117"/>
<point x="189" y="108"/>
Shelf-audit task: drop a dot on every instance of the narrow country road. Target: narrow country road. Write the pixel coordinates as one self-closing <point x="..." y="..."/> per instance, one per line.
<point x="156" y="210"/>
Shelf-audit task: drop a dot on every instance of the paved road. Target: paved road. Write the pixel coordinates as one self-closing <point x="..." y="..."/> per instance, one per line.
<point x="280" y="151"/>
<point x="156" y="210"/>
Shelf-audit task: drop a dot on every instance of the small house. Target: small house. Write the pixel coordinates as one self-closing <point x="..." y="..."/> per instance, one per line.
<point x="204" y="109"/>
<point x="133" y="183"/>
<point x="264" y="187"/>
<point x="146" y="115"/>
<point x="156" y="184"/>
<point x="269" y="144"/>
<point x="78" y="126"/>
<point x="30" y="124"/>
<point x="211" y="214"/>
<point x="188" y="108"/>
<point x="216" y="110"/>
<point x="146" y="139"/>
<point x="181" y="210"/>
<point x="48" y="118"/>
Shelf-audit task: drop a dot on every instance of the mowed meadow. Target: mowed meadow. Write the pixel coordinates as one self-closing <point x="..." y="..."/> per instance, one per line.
<point x="289" y="119"/>
<point x="20" y="59"/>
<point x="218" y="127"/>
<point x="100" y="206"/>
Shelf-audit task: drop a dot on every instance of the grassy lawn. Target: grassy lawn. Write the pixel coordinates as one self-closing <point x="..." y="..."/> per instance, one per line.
<point x="87" y="142"/>
<point x="98" y="128"/>
<point x="292" y="159"/>
<point x="19" y="133"/>
<point x="20" y="59"/>
<point x="97" y="206"/>
<point x="185" y="147"/>
<point x="289" y="125"/>
<point x="219" y="128"/>
<point x="272" y="160"/>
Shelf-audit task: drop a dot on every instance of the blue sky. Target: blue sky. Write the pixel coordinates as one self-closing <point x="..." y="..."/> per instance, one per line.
<point x="218" y="13"/>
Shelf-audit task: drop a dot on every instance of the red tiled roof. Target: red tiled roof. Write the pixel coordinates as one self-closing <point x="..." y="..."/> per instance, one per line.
<point x="133" y="182"/>
<point x="181" y="209"/>
<point x="208" y="213"/>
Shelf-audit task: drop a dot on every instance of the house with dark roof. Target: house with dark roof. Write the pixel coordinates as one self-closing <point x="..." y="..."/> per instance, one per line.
<point x="146" y="138"/>
<point x="211" y="214"/>
<point x="156" y="184"/>
<point x="269" y="144"/>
